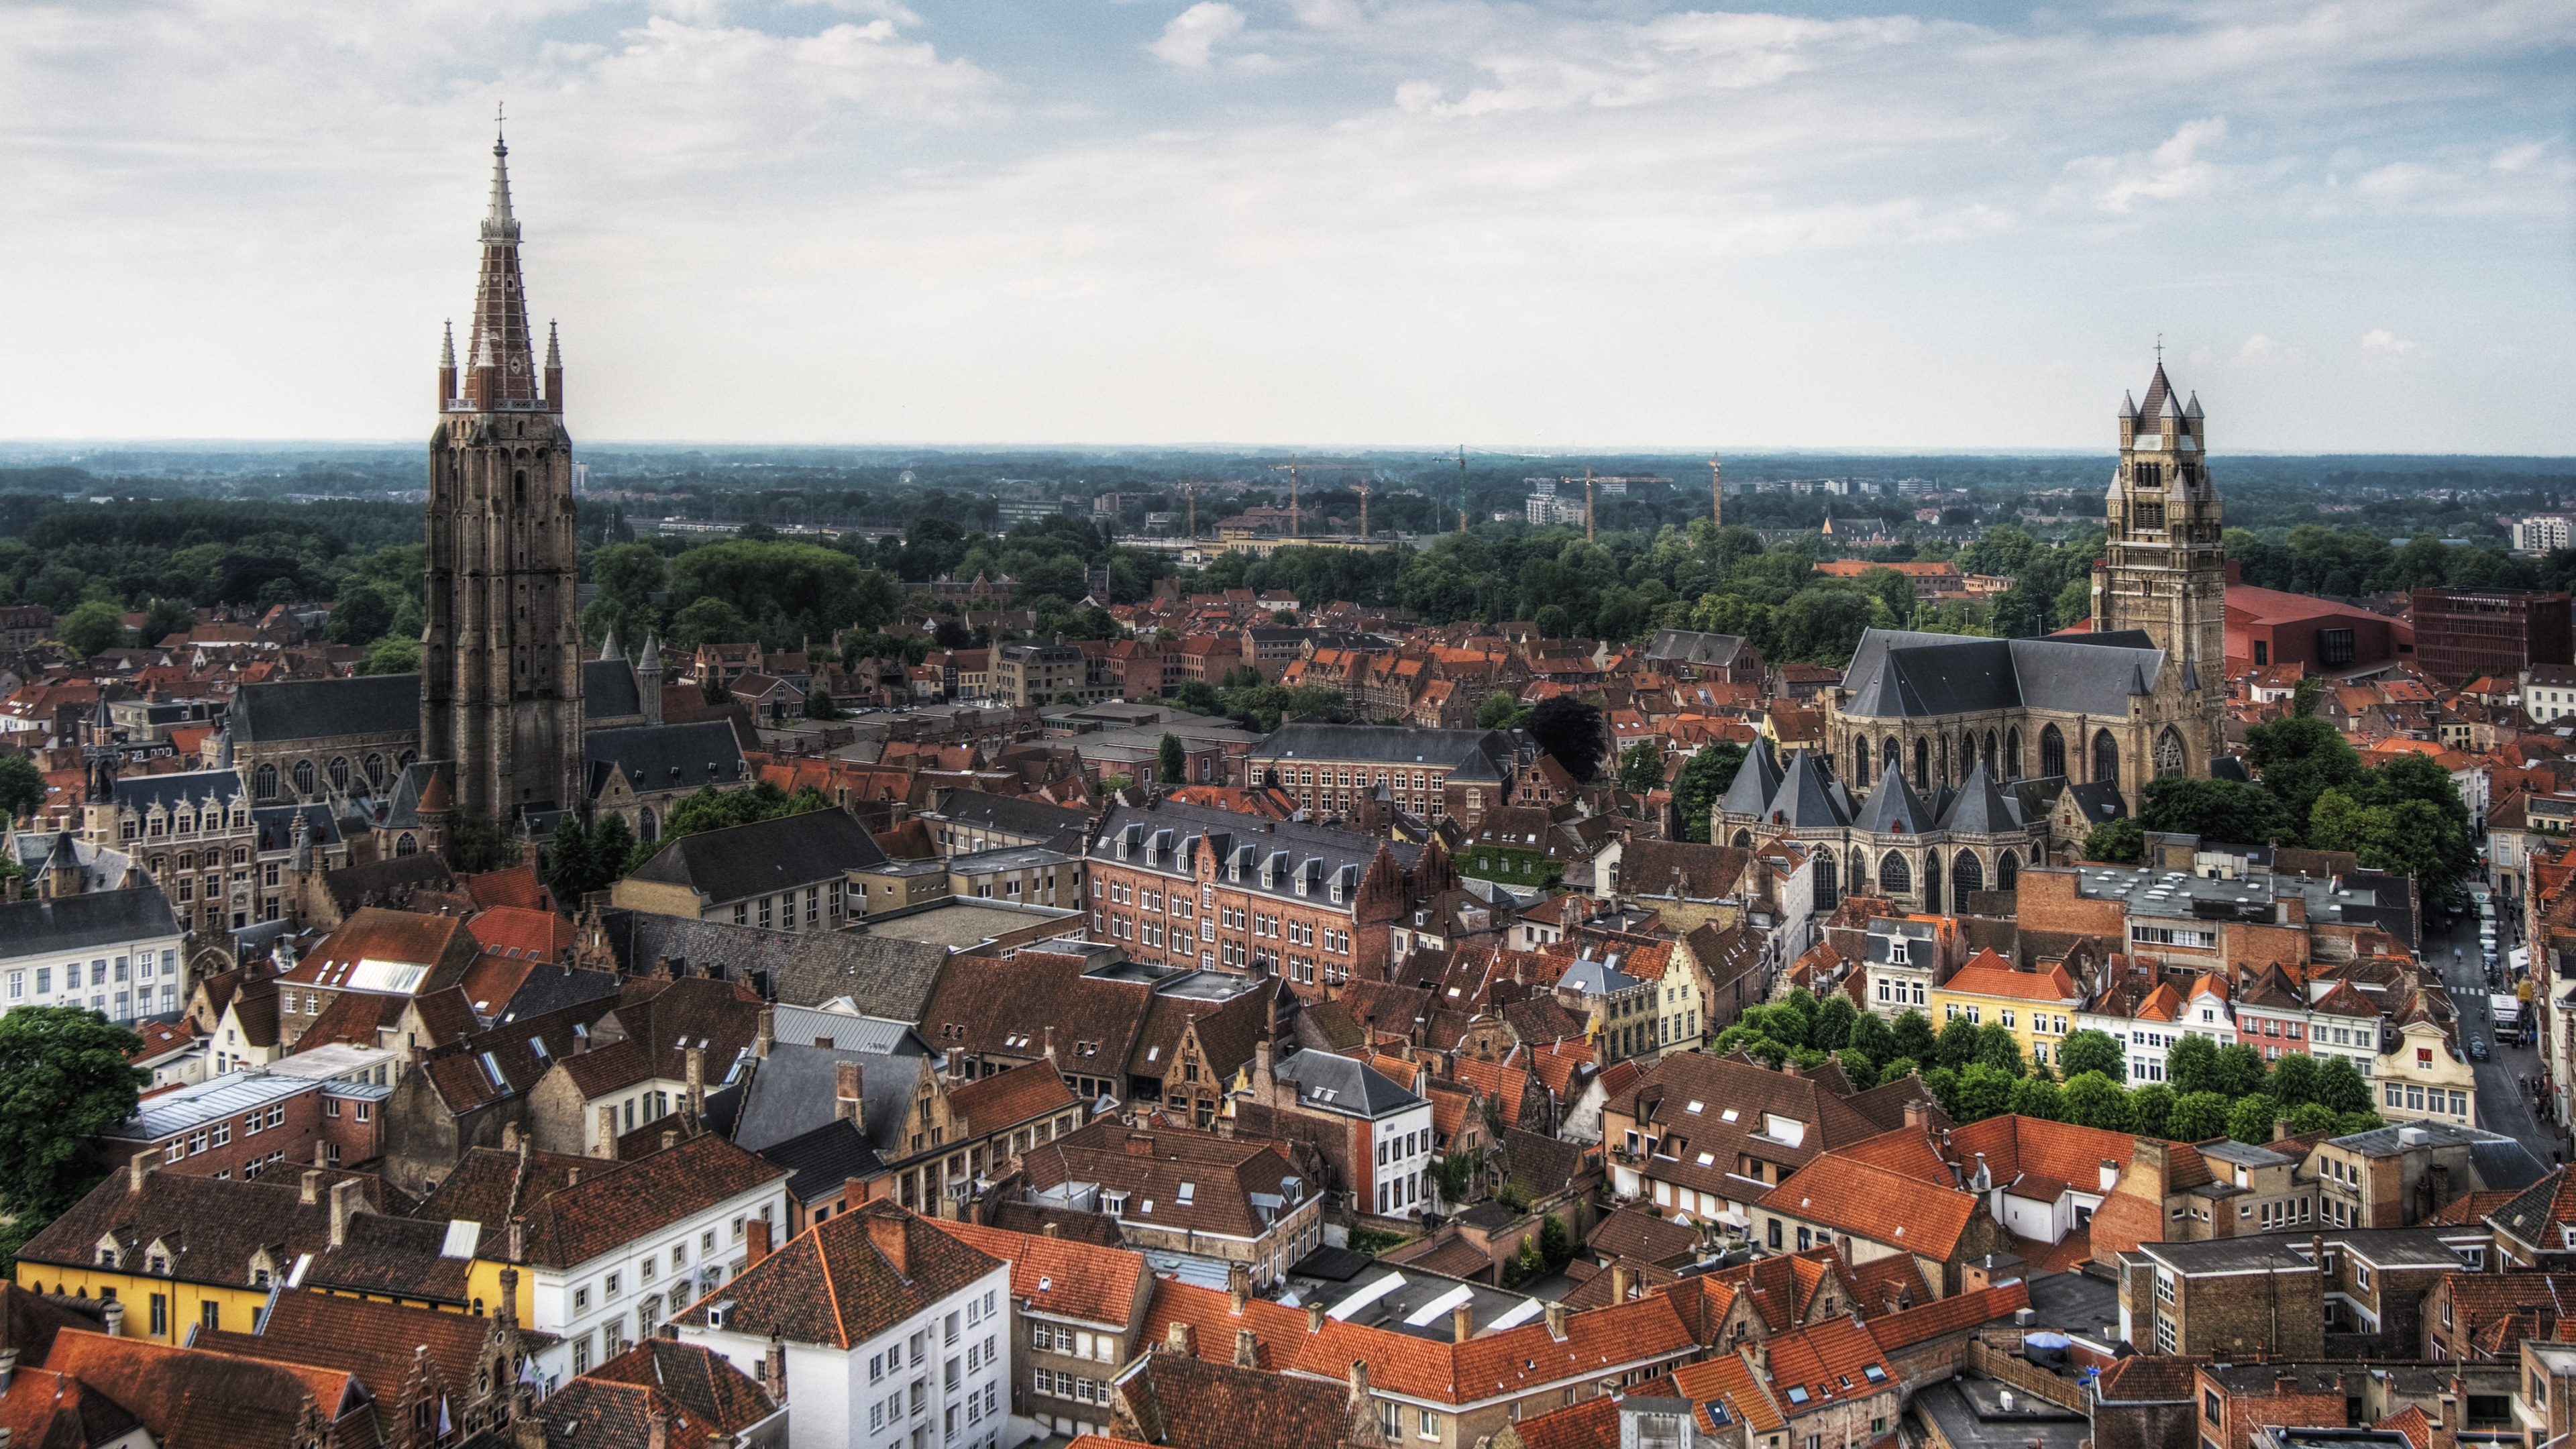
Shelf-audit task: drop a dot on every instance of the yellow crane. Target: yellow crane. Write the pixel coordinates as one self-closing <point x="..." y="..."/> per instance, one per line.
<point x="1589" y="480"/>
<point x="1296" y="466"/>
<point x="1463" y="451"/>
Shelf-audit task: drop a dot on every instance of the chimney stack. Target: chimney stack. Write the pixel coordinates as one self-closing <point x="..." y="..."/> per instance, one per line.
<point x="886" y="1230"/>
<point x="765" y="1035"/>
<point x="606" y="1146"/>
<point x="1247" y="1349"/>
<point x="773" y="1370"/>
<point x="2446" y="1434"/>
<point x="657" y="1427"/>
<point x="1238" y="1285"/>
<point x="312" y="1193"/>
<point x="1180" y="1338"/>
<point x="1051" y="1229"/>
<point x="849" y="1081"/>
<point x="1315" y="1317"/>
<point x="112" y="1318"/>
<point x="755" y="1235"/>
<point x="139" y="1166"/>
<point x="1619" y="1280"/>
<point x="345" y="1203"/>
<point x="1915" y="1116"/>
<point x="1462" y="1322"/>
<point x="1556" y="1321"/>
<point x="697" y="1081"/>
<point x="507" y="1310"/>
<point x="1359" y="1386"/>
<point x="670" y="1139"/>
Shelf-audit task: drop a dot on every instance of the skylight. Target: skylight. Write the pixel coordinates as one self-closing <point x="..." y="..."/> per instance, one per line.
<point x="1700" y="1106"/>
<point x="1728" y="1114"/>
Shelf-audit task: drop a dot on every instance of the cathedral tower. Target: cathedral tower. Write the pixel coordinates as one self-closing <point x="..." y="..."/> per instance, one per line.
<point x="500" y="684"/>
<point x="2164" y="570"/>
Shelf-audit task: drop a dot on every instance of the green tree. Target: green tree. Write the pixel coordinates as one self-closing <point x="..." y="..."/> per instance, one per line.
<point x="2039" y="1097"/>
<point x="2218" y="810"/>
<point x="64" y="1084"/>
<point x="478" y="846"/>
<point x="2191" y="1064"/>
<point x="2348" y="1123"/>
<point x="22" y="787"/>
<point x="1958" y="1042"/>
<point x="569" y="863"/>
<point x="2092" y="1051"/>
<point x="1555" y="1245"/>
<point x="1066" y="696"/>
<point x="2250" y="1120"/>
<point x="1871" y="1038"/>
<point x="392" y="654"/>
<point x="1858" y="1069"/>
<point x="1943" y="1083"/>
<point x="1911" y="1035"/>
<point x="612" y="853"/>
<point x="2294" y="1080"/>
<point x="1641" y="767"/>
<point x="1999" y="1049"/>
<point x="1832" y="1028"/>
<point x="1983" y="1092"/>
<point x="364" y="614"/>
<point x="167" y="617"/>
<point x="1500" y="711"/>
<point x="1174" y="760"/>
<point x="92" y="627"/>
<point x="2152" y="1106"/>
<point x="2094" y="1100"/>
<point x="1702" y="783"/>
<point x="709" y="621"/>
<point x="1451" y="1175"/>
<point x="2197" y="1117"/>
<point x="2310" y="1117"/>
<point x="2116" y="842"/>
<point x="1898" y="1070"/>
<point x="2340" y="1086"/>
<point x="1569" y="729"/>
<point x="2240" y="1071"/>
<point x="819" y="705"/>
<point x="2300" y="759"/>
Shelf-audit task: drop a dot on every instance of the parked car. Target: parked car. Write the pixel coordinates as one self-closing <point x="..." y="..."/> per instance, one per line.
<point x="2477" y="1048"/>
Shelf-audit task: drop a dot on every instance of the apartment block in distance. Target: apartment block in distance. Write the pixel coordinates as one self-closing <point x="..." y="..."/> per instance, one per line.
<point x="2463" y="633"/>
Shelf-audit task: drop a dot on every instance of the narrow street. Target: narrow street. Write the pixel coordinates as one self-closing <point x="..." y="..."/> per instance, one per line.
<point x="2503" y="1106"/>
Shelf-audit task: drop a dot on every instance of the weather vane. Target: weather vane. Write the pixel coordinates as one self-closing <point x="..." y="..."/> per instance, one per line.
<point x="2160" y="349"/>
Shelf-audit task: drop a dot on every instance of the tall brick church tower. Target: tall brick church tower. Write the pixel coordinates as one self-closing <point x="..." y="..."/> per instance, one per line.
<point x="2164" y="569"/>
<point x="500" y="683"/>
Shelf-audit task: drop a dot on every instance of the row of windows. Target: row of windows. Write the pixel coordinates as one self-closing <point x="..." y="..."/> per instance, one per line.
<point x="303" y="774"/>
<point x="185" y="822"/>
<point x="2416" y="1098"/>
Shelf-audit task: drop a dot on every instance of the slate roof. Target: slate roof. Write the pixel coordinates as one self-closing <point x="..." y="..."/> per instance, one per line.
<point x="1808" y="797"/>
<point x="1186" y="1402"/>
<point x="613" y="1206"/>
<point x="1383" y="744"/>
<point x="882" y="976"/>
<point x="608" y="690"/>
<point x="140" y="793"/>
<point x="2549" y="1202"/>
<point x="832" y="1285"/>
<point x="1685" y="646"/>
<point x="1980" y="808"/>
<point x="821" y="1162"/>
<point x="308" y="709"/>
<point x="764" y="856"/>
<point x="1893" y="808"/>
<point x="709" y="1395"/>
<point x="92" y="918"/>
<point x="1328" y="1083"/>
<point x="1756" y="781"/>
<point x="664" y="757"/>
<point x="1897" y="674"/>
<point x="791" y="1091"/>
<point x="1011" y="815"/>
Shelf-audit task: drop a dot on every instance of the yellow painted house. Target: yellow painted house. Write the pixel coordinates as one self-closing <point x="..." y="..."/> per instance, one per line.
<point x="2037" y="1007"/>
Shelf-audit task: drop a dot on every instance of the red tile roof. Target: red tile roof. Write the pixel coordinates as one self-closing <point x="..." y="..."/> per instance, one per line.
<point x="539" y="934"/>
<point x="1988" y="974"/>
<point x="1876" y="1203"/>
<point x="1060" y="1275"/>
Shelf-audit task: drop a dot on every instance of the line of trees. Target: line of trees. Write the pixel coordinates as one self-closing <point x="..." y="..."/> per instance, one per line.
<point x="1979" y="1071"/>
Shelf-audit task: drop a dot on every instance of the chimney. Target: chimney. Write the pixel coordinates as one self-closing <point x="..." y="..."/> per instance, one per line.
<point x="1789" y="1067"/>
<point x="312" y="1193"/>
<point x="766" y="1035"/>
<point x="1247" y="1349"/>
<point x="1556" y="1321"/>
<point x="1180" y="1338"/>
<point x="321" y="1153"/>
<point x="1315" y="1317"/>
<point x="1359" y="1386"/>
<point x="2110" y="1174"/>
<point x="1051" y="1229"/>
<point x="139" y="1166"/>
<point x="572" y="1177"/>
<point x="1050" y="1043"/>
<point x="1462" y="1322"/>
<point x="773" y="1370"/>
<point x="697" y="1080"/>
<point x="2446" y="1435"/>
<point x="670" y="1139"/>
<point x="849" y="1081"/>
<point x="518" y="1241"/>
<point x="606" y="1146"/>
<point x="1140" y="1144"/>
<point x="8" y="1356"/>
<point x="1984" y="1180"/>
<point x="886" y="1230"/>
<point x="507" y="1310"/>
<point x="657" y="1427"/>
<point x="509" y="1136"/>
<point x="1915" y="1116"/>
<point x="1238" y="1285"/>
<point x="1620" y="1275"/>
<point x="1261" y="1063"/>
<point x="755" y="1234"/>
<point x="112" y="1318"/>
<point x="345" y="1202"/>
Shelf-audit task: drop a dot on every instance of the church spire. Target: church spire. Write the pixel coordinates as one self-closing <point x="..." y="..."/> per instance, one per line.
<point x="503" y="375"/>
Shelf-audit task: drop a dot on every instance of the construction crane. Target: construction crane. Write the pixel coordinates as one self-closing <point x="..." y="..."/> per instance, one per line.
<point x="1190" y="495"/>
<point x="1622" y="478"/>
<point x="1294" y="466"/>
<point x="1463" y="451"/>
<point x="1716" y="494"/>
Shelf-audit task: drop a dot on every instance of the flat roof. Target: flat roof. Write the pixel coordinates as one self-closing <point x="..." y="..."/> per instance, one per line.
<point x="335" y="1059"/>
<point x="1009" y="857"/>
<point x="2260" y="1254"/>
<point x="201" y="1103"/>
<point x="1970" y="1413"/>
<point x="958" y="923"/>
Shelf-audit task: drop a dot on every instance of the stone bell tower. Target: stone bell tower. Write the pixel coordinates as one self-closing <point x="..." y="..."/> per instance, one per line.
<point x="2164" y="568"/>
<point x="500" y="660"/>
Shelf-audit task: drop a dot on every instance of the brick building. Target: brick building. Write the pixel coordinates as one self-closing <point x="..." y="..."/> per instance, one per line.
<point x="1186" y="885"/>
<point x="240" y="1125"/>
<point x="1035" y="674"/>
<point x="2463" y="633"/>
<point x="1331" y="768"/>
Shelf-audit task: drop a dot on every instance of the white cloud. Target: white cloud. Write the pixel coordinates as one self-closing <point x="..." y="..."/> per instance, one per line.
<point x="2175" y="170"/>
<point x="1194" y="34"/>
<point x="2382" y="341"/>
<point x="2258" y="348"/>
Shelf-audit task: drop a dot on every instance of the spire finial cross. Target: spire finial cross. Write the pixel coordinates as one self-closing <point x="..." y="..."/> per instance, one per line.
<point x="2160" y="349"/>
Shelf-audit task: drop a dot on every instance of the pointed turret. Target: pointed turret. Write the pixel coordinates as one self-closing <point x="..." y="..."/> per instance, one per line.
<point x="224" y="748"/>
<point x="1756" y="781"/>
<point x="2128" y="405"/>
<point x="648" y="680"/>
<point x="1805" y="799"/>
<point x="2159" y="394"/>
<point x="446" y="365"/>
<point x="554" y="370"/>
<point x="1981" y="808"/>
<point x="608" y="647"/>
<point x="504" y="374"/>
<point x="1893" y="808"/>
<point x="2192" y="408"/>
<point x="62" y="873"/>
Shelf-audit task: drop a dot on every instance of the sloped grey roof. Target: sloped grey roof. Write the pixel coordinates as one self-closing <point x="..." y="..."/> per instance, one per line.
<point x="667" y="757"/>
<point x="823" y="1161"/>
<point x="1755" y="782"/>
<point x="2100" y="800"/>
<point x="1686" y="646"/>
<point x="1893" y="807"/>
<point x="882" y="976"/>
<point x="1330" y="1083"/>
<point x="1595" y="978"/>
<point x="1381" y="744"/>
<point x="1899" y="674"/>
<point x="812" y="1026"/>
<point x="92" y="918"/>
<point x="741" y="861"/>
<point x="141" y="792"/>
<point x="1010" y="814"/>
<point x="1805" y="799"/>
<point x="1981" y="808"/>
<point x="2505" y="1164"/>
<point x="791" y="1092"/>
<point x="305" y="709"/>
<point x="608" y="690"/>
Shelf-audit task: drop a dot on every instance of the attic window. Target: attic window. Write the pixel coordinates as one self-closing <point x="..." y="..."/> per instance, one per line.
<point x="1727" y="1116"/>
<point x="1148" y="1206"/>
<point x="1698" y="1106"/>
<point x="1797" y="1395"/>
<point x="1046" y="1285"/>
<point x="1189" y="1193"/>
<point x="1873" y="1373"/>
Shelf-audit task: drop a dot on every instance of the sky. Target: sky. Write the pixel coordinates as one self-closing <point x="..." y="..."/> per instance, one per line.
<point x="1546" y="225"/>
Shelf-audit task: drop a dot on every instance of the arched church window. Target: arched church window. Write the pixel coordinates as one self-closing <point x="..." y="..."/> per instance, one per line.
<point x="1859" y="870"/>
<point x="1967" y="756"/>
<point x="1860" y="763"/>
<point x="1744" y="840"/>
<point x="375" y="769"/>
<point x="1932" y="883"/>
<point x="1968" y="873"/>
<point x="2039" y="855"/>
<point x="1895" y="877"/>
<point x="647" y="828"/>
<point x="1942" y="774"/>
<point x="2012" y="754"/>
<point x="2106" y="758"/>
<point x="264" y="783"/>
<point x="340" y="773"/>
<point x="2007" y="871"/>
<point x="2052" y="753"/>
<point x="1922" y="764"/>
<point x="1990" y="755"/>
<point x="406" y="846"/>
<point x="1891" y="758"/>
<point x="405" y="759"/>
<point x="304" y="777"/>
<point x="2168" y="755"/>
<point x="1825" y="882"/>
